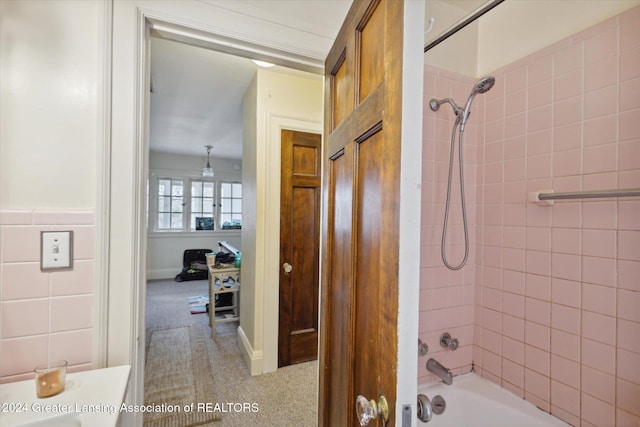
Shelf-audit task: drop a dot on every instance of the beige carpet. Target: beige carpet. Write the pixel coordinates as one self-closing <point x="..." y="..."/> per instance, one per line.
<point x="178" y="374"/>
<point x="287" y="397"/>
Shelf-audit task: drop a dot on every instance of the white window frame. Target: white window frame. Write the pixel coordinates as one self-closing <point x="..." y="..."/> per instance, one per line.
<point x="234" y="196"/>
<point x="187" y="179"/>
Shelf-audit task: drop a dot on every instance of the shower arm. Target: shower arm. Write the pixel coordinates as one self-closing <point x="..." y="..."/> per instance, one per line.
<point x="435" y="105"/>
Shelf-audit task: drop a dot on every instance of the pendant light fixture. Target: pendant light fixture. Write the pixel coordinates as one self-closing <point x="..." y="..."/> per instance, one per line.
<point x="207" y="171"/>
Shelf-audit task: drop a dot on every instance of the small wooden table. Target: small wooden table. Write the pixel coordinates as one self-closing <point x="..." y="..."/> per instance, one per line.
<point x="223" y="280"/>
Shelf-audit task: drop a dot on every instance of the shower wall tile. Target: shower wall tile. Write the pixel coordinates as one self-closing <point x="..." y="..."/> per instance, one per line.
<point x="599" y="159"/>
<point x="630" y="65"/>
<point x="565" y="402"/>
<point x="599" y="355"/>
<point x="600" y="181"/>
<point x="567" y="137"/>
<point x="567" y="85"/>
<point x="596" y="412"/>
<point x="34" y="303"/>
<point x="604" y="44"/>
<point x="602" y="73"/>
<point x="628" y="303"/>
<point x="515" y="102"/>
<point x="601" y="102"/>
<point x="540" y="70"/>
<point x="629" y="158"/>
<point x="568" y="59"/>
<point x="629" y="93"/>
<point x="567" y="111"/>
<point x="629" y="128"/>
<point x="555" y="290"/>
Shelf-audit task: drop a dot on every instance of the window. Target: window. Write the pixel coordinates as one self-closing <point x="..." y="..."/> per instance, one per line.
<point x="194" y="205"/>
<point x="231" y="205"/>
<point x="202" y="203"/>
<point x="170" y="204"/>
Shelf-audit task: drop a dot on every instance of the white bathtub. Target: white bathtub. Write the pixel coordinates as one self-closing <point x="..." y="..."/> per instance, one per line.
<point x="474" y="401"/>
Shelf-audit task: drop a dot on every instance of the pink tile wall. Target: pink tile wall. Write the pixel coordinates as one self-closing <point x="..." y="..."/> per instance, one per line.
<point x="44" y="314"/>
<point x="447" y="297"/>
<point x="556" y="289"/>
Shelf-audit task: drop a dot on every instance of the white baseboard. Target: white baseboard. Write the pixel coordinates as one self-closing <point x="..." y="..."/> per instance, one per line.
<point x="167" y="273"/>
<point x="253" y="358"/>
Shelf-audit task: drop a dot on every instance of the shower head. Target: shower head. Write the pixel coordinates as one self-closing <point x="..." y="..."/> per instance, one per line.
<point x="483" y="85"/>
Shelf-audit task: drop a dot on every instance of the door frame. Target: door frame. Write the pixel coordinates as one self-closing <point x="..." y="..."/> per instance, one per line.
<point x="122" y="215"/>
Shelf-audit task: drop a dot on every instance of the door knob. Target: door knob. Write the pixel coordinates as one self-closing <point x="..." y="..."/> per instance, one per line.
<point x="367" y="410"/>
<point x="288" y="268"/>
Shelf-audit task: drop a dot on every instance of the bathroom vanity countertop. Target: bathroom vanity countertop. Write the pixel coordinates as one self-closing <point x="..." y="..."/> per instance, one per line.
<point x="90" y="398"/>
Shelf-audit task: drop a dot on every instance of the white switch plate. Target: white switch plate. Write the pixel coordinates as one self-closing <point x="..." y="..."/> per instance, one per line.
<point x="56" y="250"/>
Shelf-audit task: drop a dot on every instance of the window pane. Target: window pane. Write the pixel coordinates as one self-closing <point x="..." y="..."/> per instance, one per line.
<point x="163" y="204"/>
<point x="237" y="205"/>
<point x="164" y="186"/>
<point x="237" y="220"/>
<point x="176" y="221"/>
<point x="163" y="220"/>
<point x="225" y="189"/>
<point x="207" y="205"/>
<point x="226" y="220"/>
<point x="237" y="190"/>
<point x="176" y="188"/>
<point x="196" y="204"/>
<point x="208" y="189"/>
<point x="196" y="188"/>
<point x="176" y="204"/>
<point x="225" y="205"/>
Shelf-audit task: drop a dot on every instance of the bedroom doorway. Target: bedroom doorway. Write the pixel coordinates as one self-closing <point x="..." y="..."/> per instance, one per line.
<point x="191" y="332"/>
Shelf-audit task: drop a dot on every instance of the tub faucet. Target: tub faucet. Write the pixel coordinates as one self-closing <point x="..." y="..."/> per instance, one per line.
<point x="434" y="366"/>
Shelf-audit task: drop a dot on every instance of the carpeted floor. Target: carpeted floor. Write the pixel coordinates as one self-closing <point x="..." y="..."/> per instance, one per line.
<point x="287" y="397"/>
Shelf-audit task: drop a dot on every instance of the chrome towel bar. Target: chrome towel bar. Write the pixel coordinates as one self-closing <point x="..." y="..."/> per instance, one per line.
<point x="549" y="195"/>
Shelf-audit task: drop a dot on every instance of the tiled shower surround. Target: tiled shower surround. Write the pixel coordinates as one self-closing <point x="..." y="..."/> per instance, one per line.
<point x="548" y="305"/>
<point x="44" y="314"/>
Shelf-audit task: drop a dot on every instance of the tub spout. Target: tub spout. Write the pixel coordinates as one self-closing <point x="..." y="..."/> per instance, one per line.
<point x="434" y="366"/>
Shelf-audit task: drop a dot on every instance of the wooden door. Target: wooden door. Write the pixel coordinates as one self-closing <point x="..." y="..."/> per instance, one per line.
<point x="299" y="247"/>
<point x="359" y="344"/>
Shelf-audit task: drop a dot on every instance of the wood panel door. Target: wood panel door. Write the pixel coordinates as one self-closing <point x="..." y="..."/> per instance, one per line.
<point x="299" y="247"/>
<point x="359" y="343"/>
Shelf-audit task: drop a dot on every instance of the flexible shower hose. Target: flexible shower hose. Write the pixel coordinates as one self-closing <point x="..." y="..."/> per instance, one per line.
<point x="464" y="209"/>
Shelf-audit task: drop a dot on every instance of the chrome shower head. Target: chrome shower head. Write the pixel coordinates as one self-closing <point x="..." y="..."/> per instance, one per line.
<point x="484" y="84"/>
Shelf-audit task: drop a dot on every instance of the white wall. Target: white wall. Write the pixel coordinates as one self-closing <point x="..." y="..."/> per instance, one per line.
<point x="50" y="55"/>
<point x="275" y="99"/>
<point x="165" y="250"/>
<point x="516" y="29"/>
<point x="460" y="52"/>
<point x="512" y="30"/>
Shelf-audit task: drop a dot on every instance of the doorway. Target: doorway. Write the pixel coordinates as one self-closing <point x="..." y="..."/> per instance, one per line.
<point x="275" y="122"/>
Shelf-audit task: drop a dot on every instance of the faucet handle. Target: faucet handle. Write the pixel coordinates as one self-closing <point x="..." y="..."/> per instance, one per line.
<point x="423" y="348"/>
<point x="447" y="341"/>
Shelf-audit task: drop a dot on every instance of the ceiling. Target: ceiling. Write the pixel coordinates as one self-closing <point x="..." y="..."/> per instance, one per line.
<point x="196" y="93"/>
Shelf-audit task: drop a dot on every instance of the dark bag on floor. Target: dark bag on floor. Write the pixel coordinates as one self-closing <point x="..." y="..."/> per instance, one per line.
<point x="194" y="265"/>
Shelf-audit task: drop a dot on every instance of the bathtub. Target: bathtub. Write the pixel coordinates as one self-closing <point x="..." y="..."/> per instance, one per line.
<point x="474" y="401"/>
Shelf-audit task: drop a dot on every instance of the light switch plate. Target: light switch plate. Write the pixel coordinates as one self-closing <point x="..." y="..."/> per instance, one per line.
<point x="56" y="250"/>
